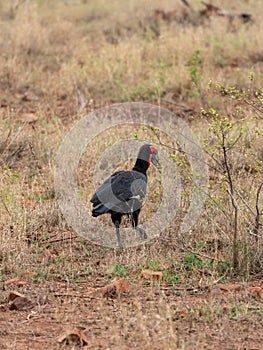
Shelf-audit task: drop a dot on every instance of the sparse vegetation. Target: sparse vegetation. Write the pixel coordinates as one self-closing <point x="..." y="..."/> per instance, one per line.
<point x="65" y="58"/>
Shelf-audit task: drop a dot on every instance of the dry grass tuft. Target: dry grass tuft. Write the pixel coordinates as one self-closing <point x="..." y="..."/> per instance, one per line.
<point x="66" y="57"/>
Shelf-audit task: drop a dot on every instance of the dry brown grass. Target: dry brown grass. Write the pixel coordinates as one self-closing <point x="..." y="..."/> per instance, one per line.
<point x="112" y="56"/>
<point x="116" y="51"/>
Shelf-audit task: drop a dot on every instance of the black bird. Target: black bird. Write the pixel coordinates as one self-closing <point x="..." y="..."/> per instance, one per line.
<point x="124" y="191"/>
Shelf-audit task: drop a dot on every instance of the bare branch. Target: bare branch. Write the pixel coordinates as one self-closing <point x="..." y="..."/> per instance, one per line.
<point x="257" y="218"/>
<point x="186" y="3"/>
<point x="233" y="201"/>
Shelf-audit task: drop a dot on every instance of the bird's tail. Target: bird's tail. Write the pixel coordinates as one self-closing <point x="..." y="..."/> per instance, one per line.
<point x="99" y="209"/>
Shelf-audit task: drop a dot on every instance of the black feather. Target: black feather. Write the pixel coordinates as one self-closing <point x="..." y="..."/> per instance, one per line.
<point x="121" y="192"/>
<point x="124" y="192"/>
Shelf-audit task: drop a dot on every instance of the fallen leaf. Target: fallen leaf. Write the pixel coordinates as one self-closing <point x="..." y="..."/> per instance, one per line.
<point x="17" y="280"/>
<point x="77" y="335"/>
<point x="30" y="117"/>
<point x="21" y="304"/>
<point x="230" y="287"/>
<point x="30" y="274"/>
<point x="115" y="288"/>
<point x="122" y="285"/>
<point x="13" y="295"/>
<point x="109" y="291"/>
<point x="256" y="290"/>
<point x="152" y="275"/>
<point x="19" y="301"/>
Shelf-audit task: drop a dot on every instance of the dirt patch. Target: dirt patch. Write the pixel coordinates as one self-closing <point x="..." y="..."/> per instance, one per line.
<point x="145" y="317"/>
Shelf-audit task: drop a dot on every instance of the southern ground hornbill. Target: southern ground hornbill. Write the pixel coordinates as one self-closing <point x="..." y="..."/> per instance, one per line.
<point x="124" y="191"/>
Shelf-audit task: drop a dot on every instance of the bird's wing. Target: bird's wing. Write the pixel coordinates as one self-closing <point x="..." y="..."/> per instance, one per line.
<point x="120" y="187"/>
<point x="103" y="189"/>
<point x="129" y="184"/>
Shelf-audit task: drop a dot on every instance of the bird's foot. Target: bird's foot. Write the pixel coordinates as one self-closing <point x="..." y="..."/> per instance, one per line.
<point x="143" y="234"/>
<point x="119" y="238"/>
<point x="120" y="245"/>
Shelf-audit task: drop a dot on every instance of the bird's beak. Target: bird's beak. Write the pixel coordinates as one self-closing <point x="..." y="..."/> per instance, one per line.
<point x="155" y="159"/>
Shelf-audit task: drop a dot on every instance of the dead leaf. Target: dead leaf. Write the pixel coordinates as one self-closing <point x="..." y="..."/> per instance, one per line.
<point x="21" y="304"/>
<point x="13" y="295"/>
<point x="77" y="335"/>
<point x="122" y="285"/>
<point x="109" y="291"/>
<point x="152" y="275"/>
<point x="19" y="301"/>
<point x="115" y="288"/>
<point x="257" y="290"/>
<point x="17" y="280"/>
<point x="30" y="117"/>
<point x="230" y="287"/>
<point x="30" y="274"/>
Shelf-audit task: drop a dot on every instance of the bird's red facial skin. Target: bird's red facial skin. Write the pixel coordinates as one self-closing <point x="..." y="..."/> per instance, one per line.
<point x="153" y="149"/>
<point x="149" y="160"/>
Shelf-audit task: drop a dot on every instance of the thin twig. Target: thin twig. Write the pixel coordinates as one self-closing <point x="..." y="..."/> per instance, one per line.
<point x="5" y="206"/>
<point x="160" y="143"/>
<point x="233" y="201"/>
<point x="244" y="202"/>
<point x="62" y="239"/>
<point x="257" y="217"/>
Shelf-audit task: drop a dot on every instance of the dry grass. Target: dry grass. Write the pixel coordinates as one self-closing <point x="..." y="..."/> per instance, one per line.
<point x="60" y="56"/>
<point x="114" y="55"/>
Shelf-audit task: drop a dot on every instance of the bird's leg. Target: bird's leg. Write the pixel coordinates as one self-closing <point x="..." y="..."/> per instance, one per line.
<point x="116" y="219"/>
<point x="142" y="232"/>
<point x="135" y="218"/>
<point x="117" y="225"/>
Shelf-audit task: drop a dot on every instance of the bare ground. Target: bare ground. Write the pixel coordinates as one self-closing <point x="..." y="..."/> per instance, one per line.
<point x="148" y="316"/>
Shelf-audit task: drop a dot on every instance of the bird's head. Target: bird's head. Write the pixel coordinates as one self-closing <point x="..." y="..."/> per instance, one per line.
<point x="153" y="158"/>
<point x="147" y="154"/>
